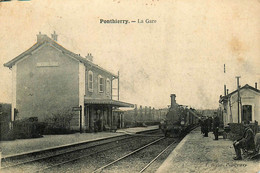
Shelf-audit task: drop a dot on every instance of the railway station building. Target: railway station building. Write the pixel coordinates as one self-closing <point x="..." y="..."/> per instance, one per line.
<point x="47" y="79"/>
<point x="247" y="109"/>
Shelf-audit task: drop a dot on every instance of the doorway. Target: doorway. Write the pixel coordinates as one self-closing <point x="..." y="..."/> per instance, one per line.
<point x="247" y="113"/>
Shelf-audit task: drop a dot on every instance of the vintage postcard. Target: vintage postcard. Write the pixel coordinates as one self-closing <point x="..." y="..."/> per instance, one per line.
<point x="129" y="86"/>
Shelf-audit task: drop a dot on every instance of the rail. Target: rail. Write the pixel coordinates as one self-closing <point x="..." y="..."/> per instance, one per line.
<point x="157" y="157"/>
<point x="129" y="154"/>
<point x="60" y="151"/>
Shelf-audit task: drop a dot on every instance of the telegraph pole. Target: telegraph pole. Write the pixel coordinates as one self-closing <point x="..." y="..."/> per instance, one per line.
<point x="80" y="118"/>
<point x="238" y="98"/>
<point x="225" y="87"/>
<point x="118" y="86"/>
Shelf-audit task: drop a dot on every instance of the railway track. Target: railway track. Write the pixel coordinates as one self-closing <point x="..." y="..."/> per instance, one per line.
<point x="160" y="154"/>
<point x="48" y="159"/>
<point x="126" y="161"/>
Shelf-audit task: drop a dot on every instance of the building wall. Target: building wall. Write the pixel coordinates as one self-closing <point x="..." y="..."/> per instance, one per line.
<point x="96" y="93"/>
<point x="14" y="72"/>
<point x="91" y="110"/>
<point x="248" y="97"/>
<point x="47" y="81"/>
<point x="227" y="114"/>
<point x="82" y="92"/>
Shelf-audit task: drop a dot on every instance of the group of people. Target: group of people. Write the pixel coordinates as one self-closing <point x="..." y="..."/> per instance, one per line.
<point x="246" y="142"/>
<point x="210" y="125"/>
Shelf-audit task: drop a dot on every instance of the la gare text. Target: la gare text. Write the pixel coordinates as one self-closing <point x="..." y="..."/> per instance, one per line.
<point x="118" y="21"/>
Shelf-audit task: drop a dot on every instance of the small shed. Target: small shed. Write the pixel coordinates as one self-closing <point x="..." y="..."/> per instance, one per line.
<point x="241" y="105"/>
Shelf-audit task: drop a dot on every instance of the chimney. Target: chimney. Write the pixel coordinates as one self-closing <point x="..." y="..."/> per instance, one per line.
<point x="89" y="57"/>
<point x="225" y="90"/>
<point x="256" y="85"/>
<point x="54" y="36"/>
<point x="41" y="37"/>
<point x="173" y="101"/>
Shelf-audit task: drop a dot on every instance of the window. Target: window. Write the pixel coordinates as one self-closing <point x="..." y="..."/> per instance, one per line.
<point x="100" y="84"/>
<point x="108" y="88"/>
<point x="90" y="81"/>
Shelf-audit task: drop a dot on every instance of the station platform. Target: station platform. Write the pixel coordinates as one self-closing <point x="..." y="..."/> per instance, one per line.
<point x="196" y="153"/>
<point x="20" y="146"/>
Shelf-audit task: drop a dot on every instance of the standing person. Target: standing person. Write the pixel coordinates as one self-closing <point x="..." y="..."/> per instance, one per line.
<point x="210" y="124"/>
<point x="99" y="125"/>
<point x="216" y="125"/>
<point x="95" y="126"/>
<point x="206" y="127"/>
<point x="118" y="123"/>
<point x="247" y="141"/>
<point x="201" y="126"/>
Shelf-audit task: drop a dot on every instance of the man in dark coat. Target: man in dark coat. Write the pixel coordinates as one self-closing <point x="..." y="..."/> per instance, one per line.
<point x="247" y="142"/>
<point x="206" y="128"/>
<point x="201" y="126"/>
<point x="95" y="125"/>
<point x="210" y="124"/>
<point x="216" y="126"/>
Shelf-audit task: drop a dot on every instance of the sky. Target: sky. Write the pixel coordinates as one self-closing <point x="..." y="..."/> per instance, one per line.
<point x="183" y="53"/>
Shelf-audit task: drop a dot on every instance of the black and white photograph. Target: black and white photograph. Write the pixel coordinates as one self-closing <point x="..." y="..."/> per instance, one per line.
<point x="119" y="86"/>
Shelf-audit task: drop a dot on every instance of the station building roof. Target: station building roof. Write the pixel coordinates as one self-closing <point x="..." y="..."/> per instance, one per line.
<point x="95" y="101"/>
<point x="224" y="98"/>
<point x="44" y="39"/>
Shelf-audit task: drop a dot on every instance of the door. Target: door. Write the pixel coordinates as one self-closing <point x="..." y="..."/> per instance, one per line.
<point x="247" y="113"/>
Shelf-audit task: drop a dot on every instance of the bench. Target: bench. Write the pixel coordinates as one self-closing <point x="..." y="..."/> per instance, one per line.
<point x="253" y="151"/>
<point x="222" y="133"/>
<point x="111" y="129"/>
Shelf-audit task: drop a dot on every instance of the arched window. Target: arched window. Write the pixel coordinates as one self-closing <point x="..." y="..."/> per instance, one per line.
<point x="108" y="88"/>
<point x="90" y="81"/>
<point x="100" y="84"/>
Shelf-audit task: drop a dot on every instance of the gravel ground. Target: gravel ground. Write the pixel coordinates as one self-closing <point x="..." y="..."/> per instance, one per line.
<point x="158" y="162"/>
<point x="203" y="154"/>
<point x="28" y="145"/>
<point x="25" y="145"/>
<point x="139" y="160"/>
<point x="93" y="162"/>
<point x="32" y="156"/>
<point x="57" y="159"/>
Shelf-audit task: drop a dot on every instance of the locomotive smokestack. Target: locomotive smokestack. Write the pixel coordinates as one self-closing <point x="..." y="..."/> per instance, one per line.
<point x="173" y="100"/>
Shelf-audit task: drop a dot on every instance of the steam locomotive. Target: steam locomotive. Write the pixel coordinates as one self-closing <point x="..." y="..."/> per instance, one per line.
<point x="179" y="119"/>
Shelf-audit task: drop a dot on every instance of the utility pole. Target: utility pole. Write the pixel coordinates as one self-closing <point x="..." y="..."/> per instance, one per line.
<point x="238" y="98"/>
<point x="135" y="113"/>
<point x="118" y="87"/>
<point x="225" y="87"/>
<point x="80" y="118"/>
